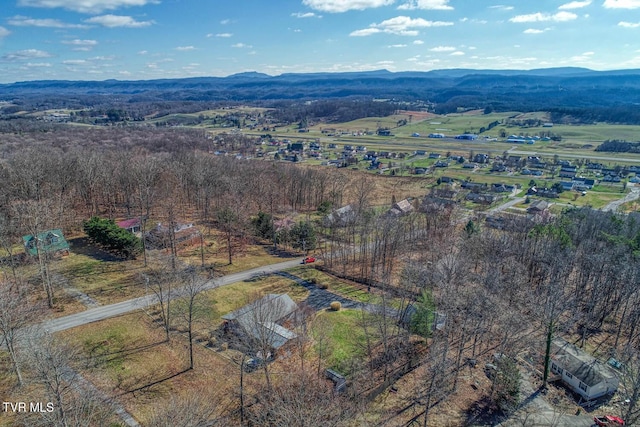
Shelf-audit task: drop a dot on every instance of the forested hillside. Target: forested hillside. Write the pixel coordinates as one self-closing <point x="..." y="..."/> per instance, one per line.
<point x="496" y="291"/>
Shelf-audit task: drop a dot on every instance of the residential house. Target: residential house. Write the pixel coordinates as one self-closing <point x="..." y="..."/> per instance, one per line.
<point x="538" y="207"/>
<point x="483" y="199"/>
<point x="567" y="185"/>
<point x="403" y="207"/>
<point x="584" y="183"/>
<point x="467" y="136"/>
<point x="340" y="217"/>
<point x="581" y="372"/>
<point x="49" y="242"/>
<point x="183" y="234"/>
<point x="262" y="320"/>
<point x="473" y="186"/>
<point x="481" y="158"/>
<point x="567" y="172"/>
<point x="132" y="225"/>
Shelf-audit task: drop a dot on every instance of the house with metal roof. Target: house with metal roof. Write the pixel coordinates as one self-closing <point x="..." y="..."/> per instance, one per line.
<point x="261" y="320"/>
<point x="581" y="372"/>
<point x="49" y="242"/>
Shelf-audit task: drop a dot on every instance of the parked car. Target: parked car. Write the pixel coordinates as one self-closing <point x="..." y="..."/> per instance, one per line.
<point x="308" y="260"/>
<point x="608" y="421"/>
<point x="252" y="364"/>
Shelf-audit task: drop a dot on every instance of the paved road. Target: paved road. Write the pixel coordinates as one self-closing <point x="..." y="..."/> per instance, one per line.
<point x="535" y="411"/>
<point x="633" y="195"/>
<point x="124" y="307"/>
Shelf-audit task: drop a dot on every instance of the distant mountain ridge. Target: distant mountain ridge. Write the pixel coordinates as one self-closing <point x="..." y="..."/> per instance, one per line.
<point x="452" y="73"/>
<point x="520" y="90"/>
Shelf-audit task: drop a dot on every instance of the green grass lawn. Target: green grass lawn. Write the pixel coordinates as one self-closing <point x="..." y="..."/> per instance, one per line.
<point x="220" y="301"/>
<point x="346" y="338"/>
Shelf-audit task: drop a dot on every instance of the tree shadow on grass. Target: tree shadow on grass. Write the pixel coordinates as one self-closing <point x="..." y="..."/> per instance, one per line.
<point x="156" y="382"/>
<point x="82" y="246"/>
<point x="94" y="351"/>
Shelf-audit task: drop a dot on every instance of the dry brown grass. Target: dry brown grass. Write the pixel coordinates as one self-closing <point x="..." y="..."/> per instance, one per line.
<point x="123" y="355"/>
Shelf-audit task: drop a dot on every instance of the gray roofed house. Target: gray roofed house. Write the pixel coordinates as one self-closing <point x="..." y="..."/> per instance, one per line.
<point x="340" y="217"/>
<point x="403" y="207"/>
<point x="581" y="372"/>
<point x="537" y="207"/>
<point x="259" y="319"/>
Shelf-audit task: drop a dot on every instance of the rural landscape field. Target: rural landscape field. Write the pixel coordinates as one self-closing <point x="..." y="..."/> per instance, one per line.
<point x="417" y="267"/>
<point x="319" y="213"/>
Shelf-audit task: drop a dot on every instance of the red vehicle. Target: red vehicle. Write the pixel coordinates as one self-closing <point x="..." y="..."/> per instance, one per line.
<point x="608" y="421"/>
<point x="308" y="260"/>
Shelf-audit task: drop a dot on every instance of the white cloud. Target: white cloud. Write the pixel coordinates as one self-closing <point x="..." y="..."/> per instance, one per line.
<point x="26" y="54"/>
<point x="501" y="7"/>
<point x="426" y="5"/>
<point x="400" y="25"/>
<point x="225" y="21"/>
<point x="221" y="35"/>
<point x="4" y="32"/>
<point x="365" y="32"/>
<point x="81" y="45"/>
<point x="543" y="17"/>
<point x="418" y="42"/>
<point x="38" y="64"/>
<point x="621" y="4"/>
<point x="185" y="48"/>
<point x="113" y="21"/>
<point x="397" y="45"/>
<point x="85" y="6"/>
<point x="586" y="56"/>
<point x="305" y="15"/>
<point x="74" y="62"/>
<point x="536" y="31"/>
<point x="339" y="6"/>
<point x="242" y="46"/>
<point x="575" y="5"/>
<point x="443" y="49"/>
<point x="457" y="53"/>
<point x="629" y="24"/>
<point x="78" y="42"/>
<point x="25" y="21"/>
<point x="143" y="52"/>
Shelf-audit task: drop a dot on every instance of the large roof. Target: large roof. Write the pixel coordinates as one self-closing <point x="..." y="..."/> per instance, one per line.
<point x="50" y="241"/>
<point x="259" y="318"/>
<point x="583" y="366"/>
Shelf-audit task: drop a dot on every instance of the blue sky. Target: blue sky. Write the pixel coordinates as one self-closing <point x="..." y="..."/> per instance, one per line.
<point x="149" y="39"/>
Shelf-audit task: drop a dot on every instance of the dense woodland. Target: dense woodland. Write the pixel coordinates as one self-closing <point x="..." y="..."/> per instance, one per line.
<point x="501" y="291"/>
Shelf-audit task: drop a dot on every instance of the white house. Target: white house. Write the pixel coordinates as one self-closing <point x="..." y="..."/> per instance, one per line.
<point x="581" y="372"/>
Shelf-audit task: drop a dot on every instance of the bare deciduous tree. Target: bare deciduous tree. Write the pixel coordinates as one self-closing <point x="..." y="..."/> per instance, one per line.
<point x="16" y="313"/>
